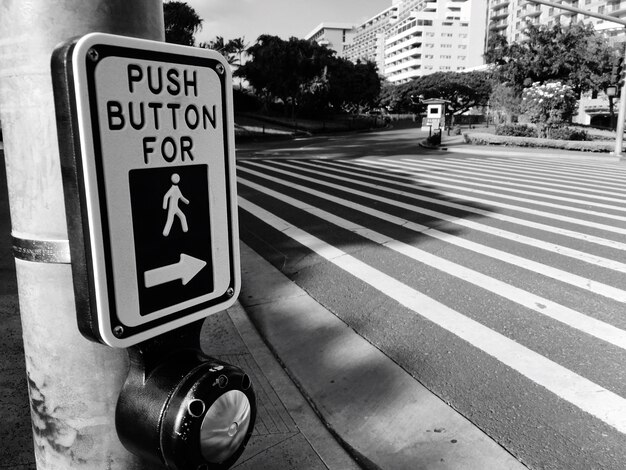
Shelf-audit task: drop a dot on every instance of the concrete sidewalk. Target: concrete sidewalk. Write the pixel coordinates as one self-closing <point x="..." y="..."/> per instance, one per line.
<point x="385" y="417"/>
<point x="288" y="435"/>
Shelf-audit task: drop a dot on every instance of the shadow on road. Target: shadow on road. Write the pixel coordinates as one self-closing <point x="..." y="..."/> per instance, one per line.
<point x="389" y="201"/>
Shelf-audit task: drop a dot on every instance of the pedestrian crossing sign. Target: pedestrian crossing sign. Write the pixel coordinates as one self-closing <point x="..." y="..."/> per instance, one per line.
<point x="149" y="167"/>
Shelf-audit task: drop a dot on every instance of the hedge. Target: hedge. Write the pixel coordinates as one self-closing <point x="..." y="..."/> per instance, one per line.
<point x="584" y="146"/>
<point x="516" y="130"/>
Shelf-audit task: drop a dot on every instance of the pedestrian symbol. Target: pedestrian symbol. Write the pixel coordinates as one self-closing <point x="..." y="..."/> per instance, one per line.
<point x="170" y="203"/>
<point x="172" y="235"/>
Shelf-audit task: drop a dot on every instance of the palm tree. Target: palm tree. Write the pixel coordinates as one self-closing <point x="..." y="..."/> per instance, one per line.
<point x="238" y="46"/>
<point x="224" y="48"/>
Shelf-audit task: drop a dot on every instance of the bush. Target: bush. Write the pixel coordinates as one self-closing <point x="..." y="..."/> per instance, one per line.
<point x="489" y="139"/>
<point x="516" y="130"/>
<point x="548" y="105"/>
<point x="567" y="133"/>
<point x="245" y="102"/>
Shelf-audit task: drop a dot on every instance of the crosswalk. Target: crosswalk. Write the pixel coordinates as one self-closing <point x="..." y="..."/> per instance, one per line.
<point x="479" y="244"/>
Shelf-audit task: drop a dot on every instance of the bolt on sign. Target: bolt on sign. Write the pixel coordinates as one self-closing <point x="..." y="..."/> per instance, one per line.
<point x="147" y="149"/>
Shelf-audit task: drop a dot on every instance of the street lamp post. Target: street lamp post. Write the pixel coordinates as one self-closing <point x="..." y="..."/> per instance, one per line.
<point x="621" y="117"/>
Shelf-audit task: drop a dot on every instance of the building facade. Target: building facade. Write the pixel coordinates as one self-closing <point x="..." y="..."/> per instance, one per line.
<point x="431" y="36"/>
<point x="368" y="43"/>
<point x="336" y="36"/>
<point x="509" y="17"/>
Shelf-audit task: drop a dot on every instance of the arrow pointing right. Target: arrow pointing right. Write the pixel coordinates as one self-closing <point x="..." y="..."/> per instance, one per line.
<point x="185" y="270"/>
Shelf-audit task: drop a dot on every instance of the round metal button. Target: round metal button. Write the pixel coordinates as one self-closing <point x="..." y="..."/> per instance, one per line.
<point x="224" y="426"/>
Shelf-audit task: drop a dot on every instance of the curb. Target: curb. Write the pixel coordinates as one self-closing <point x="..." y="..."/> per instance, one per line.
<point x="504" y="151"/>
<point x="317" y="445"/>
<point x="383" y="416"/>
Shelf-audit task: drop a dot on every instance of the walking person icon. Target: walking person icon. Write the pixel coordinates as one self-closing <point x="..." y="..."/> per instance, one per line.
<point x="170" y="203"/>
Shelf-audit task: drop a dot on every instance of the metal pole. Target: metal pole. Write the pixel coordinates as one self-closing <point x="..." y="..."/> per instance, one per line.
<point x="73" y="383"/>
<point x="621" y="117"/>
<point x="608" y="18"/>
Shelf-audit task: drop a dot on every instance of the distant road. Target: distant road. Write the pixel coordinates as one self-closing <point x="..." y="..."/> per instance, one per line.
<point x="498" y="282"/>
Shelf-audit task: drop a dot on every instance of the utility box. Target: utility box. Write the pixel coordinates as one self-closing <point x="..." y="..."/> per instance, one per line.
<point x="435" y="114"/>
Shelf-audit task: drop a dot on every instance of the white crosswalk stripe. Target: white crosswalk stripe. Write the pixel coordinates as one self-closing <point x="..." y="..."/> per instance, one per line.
<point x="564" y="168"/>
<point x="560" y="275"/>
<point x="505" y="177"/>
<point x="469" y="196"/>
<point x="527" y="299"/>
<point x="588" y="396"/>
<point x="440" y="181"/>
<point x="533" y="173"/>
<point x="583" y="227"/>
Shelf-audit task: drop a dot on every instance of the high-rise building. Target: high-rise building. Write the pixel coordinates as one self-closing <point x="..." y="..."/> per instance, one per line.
<point x="336" y="36"/>
<point x="414" y="37"/>
<point x="431" y="36"/>
<point x="368" y="43"/>
<point x="509" y="17"/>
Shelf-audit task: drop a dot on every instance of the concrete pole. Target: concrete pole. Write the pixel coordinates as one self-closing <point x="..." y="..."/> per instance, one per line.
<point x="73" y="383"/>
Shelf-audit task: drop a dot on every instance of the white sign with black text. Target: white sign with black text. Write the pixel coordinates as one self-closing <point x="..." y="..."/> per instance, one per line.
<point x="158" y="184"/>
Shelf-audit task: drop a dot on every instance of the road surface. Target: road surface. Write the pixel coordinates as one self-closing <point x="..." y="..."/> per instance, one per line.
<point x="497" y="281"/>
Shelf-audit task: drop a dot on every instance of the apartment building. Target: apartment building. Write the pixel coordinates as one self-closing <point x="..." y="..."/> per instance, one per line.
<point x="431" y="36"/>
<point x="414" y="37"/>
<point x="336" y="36"/>
<point x="368" y="43"/>
<point x="509" y="17"/>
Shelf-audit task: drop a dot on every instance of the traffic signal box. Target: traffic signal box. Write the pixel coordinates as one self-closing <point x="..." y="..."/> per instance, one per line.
<point x="617" y="77"/>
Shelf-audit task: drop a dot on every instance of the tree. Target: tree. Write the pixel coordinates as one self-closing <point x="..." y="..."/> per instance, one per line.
<point x="221" y="46"/>
<point x="282" y="69"/>
<point x="353" y="85"/>
<point x="576" y="55"/>
<point x="181" y="23"/>
<point x="238" y="46"/>
<point x="504" y="103"/>
<point x="463" y="91"/>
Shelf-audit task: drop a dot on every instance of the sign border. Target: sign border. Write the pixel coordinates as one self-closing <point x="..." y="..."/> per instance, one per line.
<point x="97" y="317"/>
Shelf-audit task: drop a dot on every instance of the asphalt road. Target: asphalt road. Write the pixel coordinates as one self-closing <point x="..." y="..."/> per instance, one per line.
<point x="498" y="281"/>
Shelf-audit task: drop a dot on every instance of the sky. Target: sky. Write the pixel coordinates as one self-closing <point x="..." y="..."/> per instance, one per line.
<point x="285" y="18"/>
